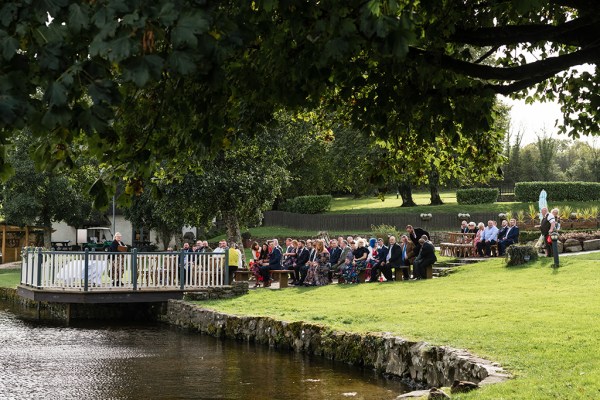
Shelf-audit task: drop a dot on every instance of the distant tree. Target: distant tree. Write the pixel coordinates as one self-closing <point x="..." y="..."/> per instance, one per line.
<point x="31" y="197"/>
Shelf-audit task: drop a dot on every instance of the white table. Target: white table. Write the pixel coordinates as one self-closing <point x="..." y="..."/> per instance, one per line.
<point x="74" y="271"/>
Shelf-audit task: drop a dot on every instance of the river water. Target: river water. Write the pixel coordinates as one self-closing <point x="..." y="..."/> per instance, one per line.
<point x="152" y="361"/>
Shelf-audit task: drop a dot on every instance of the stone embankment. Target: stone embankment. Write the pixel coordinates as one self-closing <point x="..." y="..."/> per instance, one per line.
<point x="420" y="362"/>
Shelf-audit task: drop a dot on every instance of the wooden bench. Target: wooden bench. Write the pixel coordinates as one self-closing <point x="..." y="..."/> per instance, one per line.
<point x="243" y="275"/>
<point x="281" y="275"/>
<point x="361" y="277"/>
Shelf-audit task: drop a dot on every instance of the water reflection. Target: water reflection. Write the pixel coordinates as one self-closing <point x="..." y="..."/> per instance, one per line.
<point x="40" y="361"/>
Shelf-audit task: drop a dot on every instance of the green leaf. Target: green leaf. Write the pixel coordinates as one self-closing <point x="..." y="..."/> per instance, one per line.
<point x="78" y="18"/>
<point x="188" y="26"/>
<point x="99" y="92"/>
<point x="140" y="69"/>
<point x="56" y="95"/>
<point x="120" y="48"/>
<point x="374" y="7"/>
<point x="8" y="106"/>
<point x="8" y="13"/>
<point x="168" y="14"/>
<point x="48" y="57"/>
<point x="182" y="62"/>
<point x="99" y="194"/>
<point x="269" y="5"/>
<point x="8" y="46"/>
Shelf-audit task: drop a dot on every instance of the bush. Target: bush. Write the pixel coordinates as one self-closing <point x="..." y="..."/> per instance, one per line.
<point x="385" y="231"/>
<point x="307" y="204"/>
<point x="557" y="191"/>
<point x="515" y="255"/>
<point x="476" y="196"/>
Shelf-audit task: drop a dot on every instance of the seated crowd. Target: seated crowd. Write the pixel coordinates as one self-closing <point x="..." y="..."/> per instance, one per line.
<point x="315" y="262"/>
<point x="485" y="238"/>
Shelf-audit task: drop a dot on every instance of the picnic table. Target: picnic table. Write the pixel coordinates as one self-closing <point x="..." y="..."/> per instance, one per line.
<point x="61" y="245"/>
<point x="458" y="245"/>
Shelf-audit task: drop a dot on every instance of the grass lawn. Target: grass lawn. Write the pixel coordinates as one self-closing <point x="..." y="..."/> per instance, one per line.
<point x="541" y="324"/>
<point x="10" y="277"/>
<point x="371" y="205"/>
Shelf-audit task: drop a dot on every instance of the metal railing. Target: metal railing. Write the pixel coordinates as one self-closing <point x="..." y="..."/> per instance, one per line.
<point x="99" y="270"/>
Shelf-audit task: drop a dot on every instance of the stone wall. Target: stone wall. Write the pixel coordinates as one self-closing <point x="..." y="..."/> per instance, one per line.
<point x="419" y="361"/>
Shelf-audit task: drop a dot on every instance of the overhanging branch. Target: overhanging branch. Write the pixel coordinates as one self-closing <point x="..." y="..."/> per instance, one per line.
<point x="571" y="33"/>
<point x="550" y="65"/>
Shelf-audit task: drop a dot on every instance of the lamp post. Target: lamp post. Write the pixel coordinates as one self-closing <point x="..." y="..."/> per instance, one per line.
<point x="554" y="237"/>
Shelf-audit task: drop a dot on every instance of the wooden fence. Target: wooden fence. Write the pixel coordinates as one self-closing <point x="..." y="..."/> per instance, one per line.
<point x="349" y="223"/>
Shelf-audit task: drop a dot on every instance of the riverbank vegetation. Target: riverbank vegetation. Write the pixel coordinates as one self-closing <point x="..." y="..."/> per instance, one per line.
<point x="540" y="323"/>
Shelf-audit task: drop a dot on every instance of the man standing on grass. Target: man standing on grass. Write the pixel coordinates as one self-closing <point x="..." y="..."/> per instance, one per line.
<point x="414" y="234"/>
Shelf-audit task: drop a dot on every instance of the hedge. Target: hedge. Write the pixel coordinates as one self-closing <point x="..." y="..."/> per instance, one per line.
<point x="516" y="255"/>
<point x="307" y="204"/>
<point x="557" y="191"/>
<point x="476" y="196"/>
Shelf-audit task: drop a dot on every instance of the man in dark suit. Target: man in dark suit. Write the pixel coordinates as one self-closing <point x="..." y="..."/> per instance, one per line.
<point x="343" y="255"/>
<point x="464" y="227"/>
<point x="334" y="256"/>
<point x="503" y="229"/>
<point x="425" y="258"/>
<point x="301" y="260"/>
<point x="382" y="251"/>
<point x="414" y="234"/>
<point x="510" y="237"/>
<point x="275" y="257"/>
<point x="393" y="259"/>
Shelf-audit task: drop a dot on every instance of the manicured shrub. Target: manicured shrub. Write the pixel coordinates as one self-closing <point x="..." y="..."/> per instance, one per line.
<point x="476" y="196"/>
<point x="557" y="191"/>
<point x="307" y="204"/>
<point x="385" y="231"/>
<point x="517" y="255"/>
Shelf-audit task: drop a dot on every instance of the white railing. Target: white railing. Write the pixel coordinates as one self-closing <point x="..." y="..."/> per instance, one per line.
<point x="98" y="270"/>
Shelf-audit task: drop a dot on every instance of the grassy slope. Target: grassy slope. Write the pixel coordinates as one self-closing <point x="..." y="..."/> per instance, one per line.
<point x="543" y="325"/>
<point x="10" y="277"/>
<point x="370" y="205"/>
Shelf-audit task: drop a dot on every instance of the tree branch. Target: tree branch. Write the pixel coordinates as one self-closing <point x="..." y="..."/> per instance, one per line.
<point x="571" y="33"/>
<point x="544" y="67"/>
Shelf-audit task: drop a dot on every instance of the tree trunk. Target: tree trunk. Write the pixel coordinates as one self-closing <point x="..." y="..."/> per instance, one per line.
<point x="434" y="187"/>
<point x="233" y="230"/>
<point x="47" y="224"/>
<point x="405" y="190"/>
<point x="165" y="237"/>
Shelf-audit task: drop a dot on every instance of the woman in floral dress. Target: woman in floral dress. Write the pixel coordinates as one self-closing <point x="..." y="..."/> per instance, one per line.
<point x="318" y="268"/>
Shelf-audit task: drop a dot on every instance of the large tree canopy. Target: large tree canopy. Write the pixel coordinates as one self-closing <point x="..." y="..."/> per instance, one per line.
<point x="141" y="82"/>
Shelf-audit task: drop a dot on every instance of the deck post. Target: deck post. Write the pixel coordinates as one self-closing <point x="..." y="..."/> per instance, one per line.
<point x="134" y="273"/>
<point x="86" y="260"/>
<point x="226" y="269"/>
<point x="39" y="268"/>
<point x="181" y="269"/>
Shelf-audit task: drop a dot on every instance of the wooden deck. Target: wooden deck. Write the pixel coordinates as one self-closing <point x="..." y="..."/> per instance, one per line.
<point x="103" y="277"/>
<point x="102" y="297"/>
